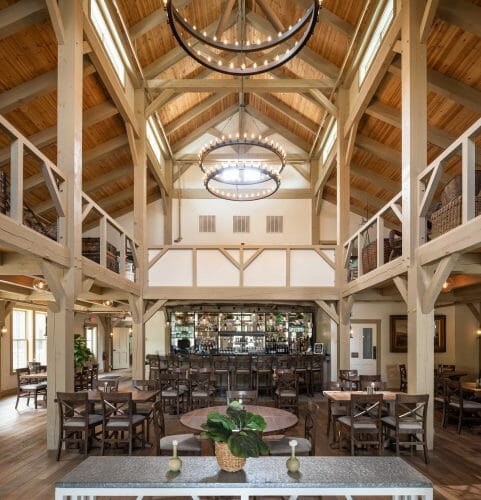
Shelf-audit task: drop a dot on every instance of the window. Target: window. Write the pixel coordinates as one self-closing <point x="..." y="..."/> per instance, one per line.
<point x="91" y="338"/>
<point x="241" y="224"/>
<point x="206" y="223"/>
<point x="98" y="20"/>
<point x="19" y="339"/>
<point x="40" y="333"/>
<point x="377" y="36"/>
<point x="329" y="141"/>
<point x="154" y="138"/>
<point x="274" y="224"/>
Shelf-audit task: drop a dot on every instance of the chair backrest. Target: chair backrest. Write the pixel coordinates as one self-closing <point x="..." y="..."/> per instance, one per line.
<point x="284" y="362"/>
<point x="411" y="409"/>
<point x="143" y="385"/>
<point x="221" y="363"/>
<point x="101" y="384"/>
<point x="310" y="425"/>
<point x="264" y="363"/>
<point x="347" y="374"/>
<point x="243" y="362"/>
<point x="196" y="361"/>
<point x="153" y="359"/>
<point x="317" y="362"/>
<point x="21" y="371"/>
<point x="158" y="423"/>
<point x="117" y="405"/>
<point x="248" y="397"/>
<point x="201" y="380"/>
<point x="366" y="409"/>
<point x="287" y="381"/>
<point x="302" y="362"/>
<point x="173" y="361"/>
<point x="447" y="368"/>
<point x="403" y="376"/>
<point x="453" y="391"/>
<point x="365" y="380"/>
<point x="168" y="381"/>
<point x="34" y="366"/>
<point x="73" y="405"/>
<point x="341" y="385"/>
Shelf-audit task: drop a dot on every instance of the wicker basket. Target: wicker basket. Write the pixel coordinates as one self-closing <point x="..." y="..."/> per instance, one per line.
<point x="369" y="255"/>
<point x="449" y="215"/>
<point x="226" y="460"/>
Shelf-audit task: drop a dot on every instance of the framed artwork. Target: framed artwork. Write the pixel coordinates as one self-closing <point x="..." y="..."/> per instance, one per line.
<point x="319" y="348"/>
<point x="399" y="333"/>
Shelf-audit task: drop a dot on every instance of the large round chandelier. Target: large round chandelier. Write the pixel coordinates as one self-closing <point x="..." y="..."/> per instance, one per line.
<point x="243" y="177"/>
<point x="237" y="47"/>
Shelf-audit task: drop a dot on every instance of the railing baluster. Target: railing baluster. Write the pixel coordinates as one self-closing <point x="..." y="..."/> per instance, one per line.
<point x="16" y="181"/>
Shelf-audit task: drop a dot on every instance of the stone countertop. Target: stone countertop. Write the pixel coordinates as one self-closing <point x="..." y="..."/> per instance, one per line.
<point x="270" y="472"/>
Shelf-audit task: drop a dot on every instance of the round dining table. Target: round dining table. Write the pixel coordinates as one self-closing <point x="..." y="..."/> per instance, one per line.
<point x="277" y="420"/>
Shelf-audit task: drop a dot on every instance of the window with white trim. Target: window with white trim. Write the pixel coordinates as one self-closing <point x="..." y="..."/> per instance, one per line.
<point x="206" y="223"/>
<point x="329" y="141"/>
<point x="375" y="41"/>
<point x="153" y="137"/>
<point x="40" y="337"/>
<point x="97" y="9"/>
<point x="241" y="224"/>
<point x="274" y="224"/>
<point x="91" y="338"/>
<point x="19" y="339"/>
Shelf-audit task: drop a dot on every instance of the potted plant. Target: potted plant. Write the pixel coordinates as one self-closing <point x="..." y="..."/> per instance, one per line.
<point x="237" y="435"/>
<point x="81" y="353"/>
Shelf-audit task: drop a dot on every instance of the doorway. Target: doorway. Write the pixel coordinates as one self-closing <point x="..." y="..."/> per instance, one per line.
<point x="365" y="346"/>
<point x="120" y="348"/>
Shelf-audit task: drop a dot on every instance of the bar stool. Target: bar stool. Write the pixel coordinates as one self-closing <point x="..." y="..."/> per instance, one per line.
<point x="242" y="370"/>
<point x="263" y="376"/>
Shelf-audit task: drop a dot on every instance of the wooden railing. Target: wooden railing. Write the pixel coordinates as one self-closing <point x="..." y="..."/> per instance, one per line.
<point x="430" y="178"/>
<point x="242" y="265"/>
<point x="128" y="260"/>
<point x="354" y="246"/>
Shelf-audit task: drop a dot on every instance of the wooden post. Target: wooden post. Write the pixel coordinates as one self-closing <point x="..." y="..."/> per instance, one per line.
<point x="140" y="212"/>
<point x="69" y="159"/>
<point x="414" y="158"/>
<point x="315" y="217"/>
<point x="343" y="204"/>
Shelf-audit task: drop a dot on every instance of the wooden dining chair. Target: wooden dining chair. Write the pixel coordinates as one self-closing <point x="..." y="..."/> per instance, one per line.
<point x="171" y="391"/>
<point x="305" y="445"/>
<point x="247" y="397"/>
<point x="287" y="391"/>
<point x="350" y="376"/>
<point x="76" y="424"/>
<point x="409" y="422"/>
<point x="145" y="409"/>
<point x="465" y="410"/>
<point x="366" y="380"/>
<point x="28" y="389"/>
<point x="336" y="409"/>
<point x="186" y="443"/>
<point x="263" y="374"/>
<point x="201" y="388"/>
<point x="363" y="426"/>
<point x="119" y="420"/>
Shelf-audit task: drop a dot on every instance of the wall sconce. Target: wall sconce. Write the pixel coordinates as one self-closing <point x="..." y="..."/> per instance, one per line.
<point x="448" y="285"/>
<point x="108" y="303"/>
<point x="111" y="334"/>
<point x="40" y="285"/>
<point x="478" y="332"/>
<point x="3" y="330"/>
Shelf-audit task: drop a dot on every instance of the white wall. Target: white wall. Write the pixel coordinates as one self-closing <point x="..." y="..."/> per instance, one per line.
<point x="328" y="231"/>
<point x="296" y="213"/>
<point x="156" y="339"/>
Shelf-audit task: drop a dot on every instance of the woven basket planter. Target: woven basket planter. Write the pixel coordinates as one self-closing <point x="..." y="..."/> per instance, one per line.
<point x="369" y="255"/>
<point x="226" y="460"/>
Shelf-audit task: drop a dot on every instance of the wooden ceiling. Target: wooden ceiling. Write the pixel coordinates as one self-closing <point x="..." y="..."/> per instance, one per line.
<point x="28" y="58"/>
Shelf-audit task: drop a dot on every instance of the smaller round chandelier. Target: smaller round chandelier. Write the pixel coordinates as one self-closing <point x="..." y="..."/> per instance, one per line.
<point x="252" y="53"/>
<point x="242" y="178"/>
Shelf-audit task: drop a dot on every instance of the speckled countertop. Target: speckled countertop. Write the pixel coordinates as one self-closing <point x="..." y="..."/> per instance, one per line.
<point x="199" y="472"/>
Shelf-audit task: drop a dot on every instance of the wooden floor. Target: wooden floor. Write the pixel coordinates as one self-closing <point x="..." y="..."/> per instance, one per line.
<point x="29" y="471"/>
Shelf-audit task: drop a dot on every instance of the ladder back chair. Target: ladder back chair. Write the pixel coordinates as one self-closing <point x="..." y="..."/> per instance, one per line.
<point x="29" y="389"/>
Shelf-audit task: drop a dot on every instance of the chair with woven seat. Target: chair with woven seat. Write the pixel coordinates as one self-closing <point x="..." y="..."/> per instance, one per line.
<point x="201" y="389"/>
<point x="335" y="409"/>
<point x="29" y="389"/>
<point x="363" y="427"/>
<point x="118" y="419"/>
<point x="465" y="410"/>
<point x="403" y="377"/>
<point x="287" y="391"/>
<point x="171" y="391"/>
<point x="409" y="421"/>
<point x="248" y="397"/>
<point x="186" y="443"/>
<point x="76" y="424"/>
<point x="144" y="409"/>
<point x="305" y="445"/>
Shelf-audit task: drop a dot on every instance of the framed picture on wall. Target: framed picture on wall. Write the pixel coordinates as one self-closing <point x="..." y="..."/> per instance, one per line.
<point x="399" y="333"/>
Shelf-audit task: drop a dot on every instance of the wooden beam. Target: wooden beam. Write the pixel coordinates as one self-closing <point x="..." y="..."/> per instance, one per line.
<point x="285" y="132"/>
<point x="48" y="136"/>
<point x="199" y="131"/>
<point x="402" y="286"/>
<point x="103" y="149"/>
<point x="447" y="87"/>
<point x="329" y="310"/>
<point x="53" y="275"/>
<point x="20" y="16"/>
<point x="291" y="113"/>
<point x="461" y="13"/>
<point x="442" y="273"/>
<point x="427" y="20"/>
<point x="375" y="178"/>
<point x="194" y="112"/>
<point x="153" y="309"/>
<point x="56" y="20"/>
<point x="475" y="312"/>
<point x="379" y="149"/>
<point x="233" y="85"/>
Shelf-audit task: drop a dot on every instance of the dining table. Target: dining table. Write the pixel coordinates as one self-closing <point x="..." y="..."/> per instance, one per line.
<point x="277" y="421"/>
<point x="137" y="396"/>
<point x="34" y="376"/>
<point x="471" y="387"/>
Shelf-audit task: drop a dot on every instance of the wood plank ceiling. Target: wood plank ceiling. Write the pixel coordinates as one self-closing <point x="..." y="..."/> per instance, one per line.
<point x="28" y="58"/>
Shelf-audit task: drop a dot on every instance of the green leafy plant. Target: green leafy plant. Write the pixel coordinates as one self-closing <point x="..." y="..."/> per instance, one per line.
<point x="81" y="353"/>
<point x="240" y="429"/>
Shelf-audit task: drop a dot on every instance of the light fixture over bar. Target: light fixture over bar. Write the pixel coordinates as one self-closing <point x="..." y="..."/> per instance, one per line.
<point x="253" y="56"/>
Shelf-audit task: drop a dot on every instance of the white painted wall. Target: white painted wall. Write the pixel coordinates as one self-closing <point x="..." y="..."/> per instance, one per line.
<point x="296" y="213"/>
<point x="156" y="337"/>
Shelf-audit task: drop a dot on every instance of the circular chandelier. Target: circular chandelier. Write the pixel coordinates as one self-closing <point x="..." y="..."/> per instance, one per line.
<point x="242" y="179"/>
<point x="251" y="54"/>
